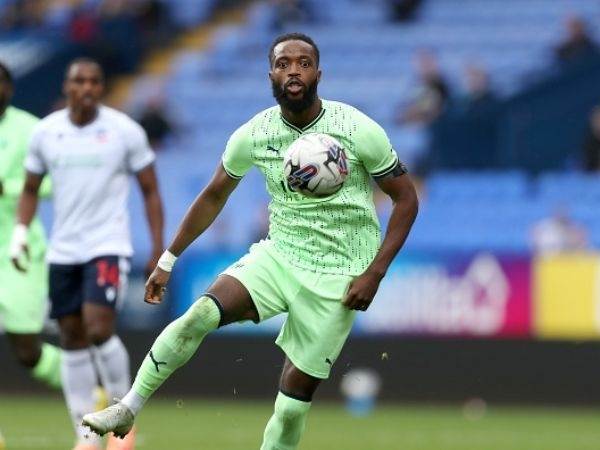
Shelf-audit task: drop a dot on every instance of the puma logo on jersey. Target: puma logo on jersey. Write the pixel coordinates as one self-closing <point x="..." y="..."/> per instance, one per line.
<point x="155" y="362"/>
<point x="273" y="149"/>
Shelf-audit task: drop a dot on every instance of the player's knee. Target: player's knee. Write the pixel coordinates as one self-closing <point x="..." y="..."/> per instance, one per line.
<point x="98" y="335"/>
<point x="298" y="384"/>
<point x="73" y="338"/>
<point x="201" y="318"/>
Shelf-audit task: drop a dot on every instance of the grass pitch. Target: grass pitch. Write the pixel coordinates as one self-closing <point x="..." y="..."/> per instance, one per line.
<point x="42" y="424"/>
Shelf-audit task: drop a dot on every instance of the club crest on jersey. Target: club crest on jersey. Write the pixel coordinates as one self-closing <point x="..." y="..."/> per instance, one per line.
<point x="338" y="155"/>
<point x="102" y="136"/>
<point x="302" y="175"/>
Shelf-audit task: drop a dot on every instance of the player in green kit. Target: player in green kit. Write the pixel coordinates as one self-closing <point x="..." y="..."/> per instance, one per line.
<point x="322" y="261"/>
<point x="23" y="295"/>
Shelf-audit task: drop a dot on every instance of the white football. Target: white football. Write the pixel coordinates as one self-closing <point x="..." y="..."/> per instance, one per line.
<point x="315" y="165"/>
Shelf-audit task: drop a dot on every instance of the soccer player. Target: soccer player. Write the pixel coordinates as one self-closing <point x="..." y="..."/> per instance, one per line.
<point x="322" y="262"/>
<point x="89" y="150"/>
<point x="22" y="295"/>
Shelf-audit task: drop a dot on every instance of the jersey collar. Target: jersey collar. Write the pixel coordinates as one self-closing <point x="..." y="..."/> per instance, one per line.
<point x="302" y="130"/>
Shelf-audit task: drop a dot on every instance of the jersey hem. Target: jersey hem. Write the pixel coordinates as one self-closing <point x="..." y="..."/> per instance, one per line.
<point x="314" y="270"/>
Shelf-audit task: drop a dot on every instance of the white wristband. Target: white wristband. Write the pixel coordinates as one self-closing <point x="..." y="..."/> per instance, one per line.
<point x="18" y="240"/>
<point x="167" y="261"/>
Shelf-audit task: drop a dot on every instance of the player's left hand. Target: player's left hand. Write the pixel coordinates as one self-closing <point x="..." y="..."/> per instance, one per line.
<point x="156" y="286"/>
<point x="361" y="291"/>
<point x="152" y="263"/>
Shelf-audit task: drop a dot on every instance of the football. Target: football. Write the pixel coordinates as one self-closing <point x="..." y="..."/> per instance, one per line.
<point x="315" y="165"/>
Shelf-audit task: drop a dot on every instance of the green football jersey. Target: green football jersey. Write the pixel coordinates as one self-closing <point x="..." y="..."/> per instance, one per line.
<point x="338" y="234"/>
<point x="15" y="130"/>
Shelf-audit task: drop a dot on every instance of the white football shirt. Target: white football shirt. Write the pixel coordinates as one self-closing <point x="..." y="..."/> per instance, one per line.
<point x="89" y="167"/>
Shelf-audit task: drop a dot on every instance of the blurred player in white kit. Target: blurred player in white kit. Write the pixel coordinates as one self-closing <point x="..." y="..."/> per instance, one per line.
<point x="89" y="151"/>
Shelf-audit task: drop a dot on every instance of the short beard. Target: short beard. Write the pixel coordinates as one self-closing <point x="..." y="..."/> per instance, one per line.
<point x="295" y="106"/>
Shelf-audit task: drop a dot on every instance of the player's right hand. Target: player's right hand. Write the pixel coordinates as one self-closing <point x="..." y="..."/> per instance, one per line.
<point x="18" y="249"/>
<point x="156" y="286"/>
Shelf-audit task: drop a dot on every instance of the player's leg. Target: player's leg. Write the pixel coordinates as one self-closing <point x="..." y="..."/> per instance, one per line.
<point x="248" y="290"/>
<point x="312" y="338"/>
<point x="27" y="348"/>
<point x="77" y="367"/>
<point x="41" y="358"/>
<point x="227" y="301"/>
<point x="286" y="425"/>
<point x="111" y="360"/>
<point x="23" y="307"/>
<point x="104" y="287"/>
<point x="110" y="355"/>
<point x="79" y="377"/>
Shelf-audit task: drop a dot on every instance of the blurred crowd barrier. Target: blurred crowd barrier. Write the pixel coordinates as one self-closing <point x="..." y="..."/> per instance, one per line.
<point x="448" y="295"/>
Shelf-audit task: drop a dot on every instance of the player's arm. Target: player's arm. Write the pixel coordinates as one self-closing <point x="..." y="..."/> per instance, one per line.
<point x="204" y="210"/>
<point x="376" y="153"/>
<point x="199" y="217"/>
<point x="404" y="212"/>
<point x="154" y="212"/>
<point x="236" y="161"/>
<point x="398" y="186"/>
<point x="26" y="210"/>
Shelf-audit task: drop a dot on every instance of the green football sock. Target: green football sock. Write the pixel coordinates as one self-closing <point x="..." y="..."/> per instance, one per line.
<point x="47" y="369"/>
<point x="176" y="345"/>
<point x="286" y="426"/>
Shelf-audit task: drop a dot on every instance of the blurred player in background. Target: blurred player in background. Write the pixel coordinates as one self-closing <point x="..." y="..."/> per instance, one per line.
<point x="89" y="150"/>
<point x="22" y="294"/>
<point x="323" y="259"/>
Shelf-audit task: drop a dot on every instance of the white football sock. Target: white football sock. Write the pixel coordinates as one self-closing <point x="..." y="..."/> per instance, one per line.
<point x="134" y="401"/>
<point x="78" y="381"/>
<point x="112" y="362"/>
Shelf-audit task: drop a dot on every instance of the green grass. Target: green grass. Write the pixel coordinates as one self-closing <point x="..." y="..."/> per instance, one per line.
<point x="42" y="424"/>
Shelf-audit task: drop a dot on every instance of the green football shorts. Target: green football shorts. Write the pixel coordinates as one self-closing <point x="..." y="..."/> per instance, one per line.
<point x="317" y="324"/>
<point x="23" y="297"/>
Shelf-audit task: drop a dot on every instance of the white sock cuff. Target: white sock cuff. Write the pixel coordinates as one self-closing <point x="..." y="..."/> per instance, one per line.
<point x="113" y="343"/>
<point x="74" y="357"/>
<point x="134" y="401"/>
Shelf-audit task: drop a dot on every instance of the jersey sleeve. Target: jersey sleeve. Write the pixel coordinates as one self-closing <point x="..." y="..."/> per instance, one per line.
<point x="375" y="149"/>
<point x="237" y="159"/>
<point x="139" y="153"/>
<point x="35" y="161"/>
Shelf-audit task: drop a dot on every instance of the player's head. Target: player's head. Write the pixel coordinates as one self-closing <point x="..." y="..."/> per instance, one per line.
<point x="84" y="84"/>
<point x="6" y="87"/>
<point x="294" y="71"/>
